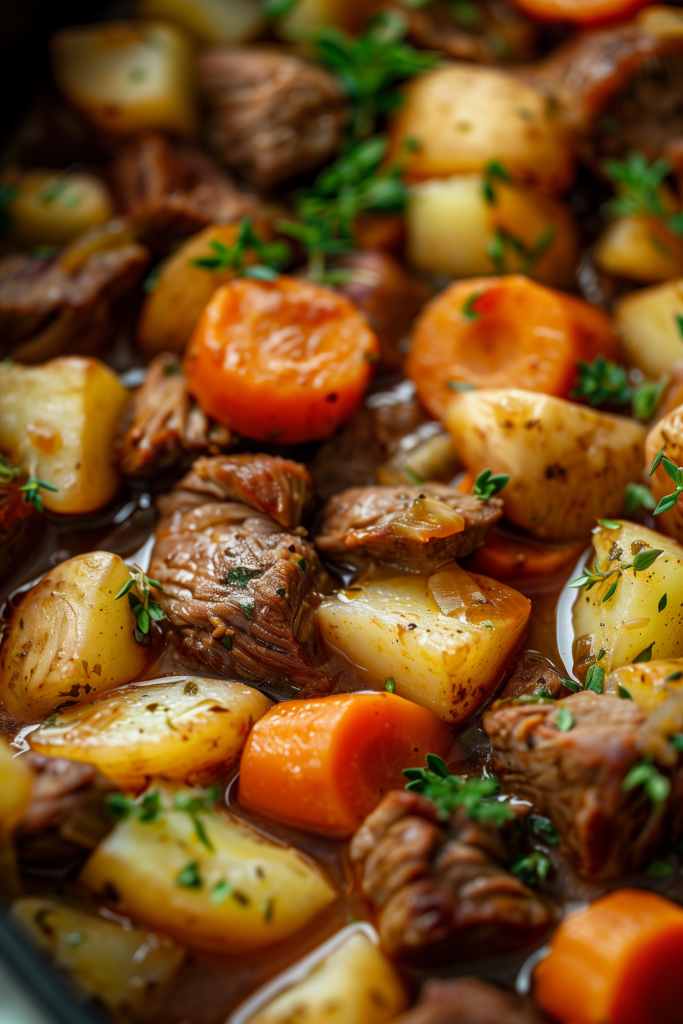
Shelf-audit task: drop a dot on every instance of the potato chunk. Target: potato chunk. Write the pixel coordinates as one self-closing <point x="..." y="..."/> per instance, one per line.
<point x="444" y="639"/>
<point x="641" y="619"/>
<point x="452" y="229"/>
<point x="54" y="207"/>
<point x="69" y="638"/>
<point x="567" y="464"/>
<point x="306" y="15"/>
<point x="667" y="436"/>
<point x="127" y="77"/>
<point x="650" y="322"/>
<point x="58" y="421"/>
<point x="457" y="118"/>
<point x="354" y="984"/>
<point x="649" y="685"/>
<point x="182" y="728"/>
<point x="126" y="968"/>
<point x="240" y="892"/>
<point x="211" y="21"/>
<point x="15" y="786"/>
<point x="640" y="248"/>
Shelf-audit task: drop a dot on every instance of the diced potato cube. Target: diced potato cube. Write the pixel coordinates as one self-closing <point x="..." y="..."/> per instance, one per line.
<point x="444" y="639"/>
<point x="211" y="21"/>
<point x="567" y="464"/>
<point x="650" y="322"/>
<point x="58" y="421"/>
<point x="15" y="786"/>
<point x="183" y="728"/>
<point x="354" y="984"/>
<point x="640" y="620"/>
<point x="239" y="893"/>
<point x="640" y="248"/>
<point x="128" y="77"/>
<point x="649" y="685"/>
<point x="69" y="638"/>
<point x="53" y="207"/>
<point x="124" y="967"/>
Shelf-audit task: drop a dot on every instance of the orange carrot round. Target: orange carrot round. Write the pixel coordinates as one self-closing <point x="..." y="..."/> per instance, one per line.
<point x="323" y="764"/>
<point x="506" y="557"/>
<point x="503" y="332"/>
<point x="283" y="360"/>
<point x="616" y="962"/>
<point x="581" y="12"/>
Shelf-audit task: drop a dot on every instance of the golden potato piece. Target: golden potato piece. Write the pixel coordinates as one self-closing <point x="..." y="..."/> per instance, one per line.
<point x="126" y="968"/>
<point x="667" y="436"/>
<point x="15" y="786"/>
<point x="457" y="118"/>
<point x="444" y="639"/>
<point x="240" y="893"/>
<point x="640" y="248"/>
<point x="69" y="638"/>
<point x="53" y="207"/>
<point x="211" y="21"/>
<point x="58" y="421"/>
<point x="641" y="619"/>
<point x="306" y="15"/>
<point x="568" y="464"/>
<point x="185" y="728"/>
<point x="128" y="77"/>
<point x="649" y="685"/>
<point x="650" y="322"/>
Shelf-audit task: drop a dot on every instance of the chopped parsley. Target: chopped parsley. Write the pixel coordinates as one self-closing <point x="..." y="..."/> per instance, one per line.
<point x="447" y="792"/>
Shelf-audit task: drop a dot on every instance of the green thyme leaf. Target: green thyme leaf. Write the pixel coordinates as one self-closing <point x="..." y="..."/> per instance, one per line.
<point x="241" y="576"/>
<point x="646" y="398"/>
<point x="637" y="496"/>
<point x="144" y="609"/>
<point x="189" y="877"/>
<point x="486" y="485"/>
<point x="544" y="829"/>
<point x="594" y="678"/>
<point x="678" y="317"/>
<point x="645" y="558"/>
<point x="390" y="685"/>
<point x="468" y="310"/>
<point x="31" y="491"/>
<point x="673" y="677"/>
<point x="571" y="685"/>
<point x="662" y="603"/>
<point x="565" y="720"/>
<point x="610" y="524"/>
<point x="656" y="785"/>
<point x="221" y="892"/>
<point x="645" y="655"/>
<point x="531" y="868"/>
<point x="624" y="693"/>
<point x="601" y="382"/>
<point x="448" y="792"/>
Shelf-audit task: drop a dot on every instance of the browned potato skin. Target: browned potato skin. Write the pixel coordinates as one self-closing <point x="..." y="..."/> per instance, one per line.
<point x="667" y="436"/>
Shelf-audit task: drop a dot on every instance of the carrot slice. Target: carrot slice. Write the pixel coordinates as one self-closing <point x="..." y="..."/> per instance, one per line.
<point x="283" y="360"/>
<point x="617" y="961"/>
<point x="323" y="764"/>
<point x="581" y="12"/>
<point x="507" y="557"/>
<point x="503" y="332"/>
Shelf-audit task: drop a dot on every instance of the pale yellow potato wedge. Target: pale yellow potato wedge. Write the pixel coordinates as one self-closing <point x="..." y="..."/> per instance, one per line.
<point x="630" y="623"/>
<point x="242" y="894"/>
<point x="640" y="248"/>
<point x="311" y="14"/>
<point x="444" y="639"/>
<point x="457" y="118"/>
<point x="667" y="436"/>
<point x="59" y="421"/>
<point x="355" y="984"/>
<point x="128" y="77"/>
<point x="127" y="969"/>
<point x="53" y="207"/>
<point x="183" y="728"/>
<point x="649" y="685"/>
<point x="69" y="639"/>
<point x="452" y="228"/>
<point x="211" y="21"/>
<point x="650" y="323"/>
<point x="568" y="464"/>
<point x="15" y="786"/>
<point x="661" y="21"/>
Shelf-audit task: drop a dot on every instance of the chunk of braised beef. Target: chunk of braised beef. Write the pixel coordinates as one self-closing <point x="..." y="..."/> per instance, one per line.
<point x="490" y="32"/>
<point x="575" y="778"/>
<point x="469" y="1001"/>
<point x="532" y="674"/>
<point x="271" y="115"/>
<point x="170" y="192"/>
<point x="417" y="528"/>
<point x="163" y="425"/>
<point x="240" y="591"/>
<point x="441" y="890"/>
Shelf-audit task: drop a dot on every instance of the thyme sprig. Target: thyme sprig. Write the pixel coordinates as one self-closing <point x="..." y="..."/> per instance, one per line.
<point x="603" y="382"/>
<point x="638" y="184"/>
<point x="486" y="485"/>
<point x="31" y="489"/>
<point x="645" y="774"/>
<point x="447" y="792"/>
<point x="641" y="561"/>
<point x="149" y="808"/>
<point x="675" y="473"/>
<point x="142" y="606"/>
<point x="272" y="256"/>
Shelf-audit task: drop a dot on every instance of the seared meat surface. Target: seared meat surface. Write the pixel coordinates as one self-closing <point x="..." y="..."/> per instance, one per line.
<point x="495" y="31"/>
<point x="534" y="674"/>
<point x="272" y="115"/>
<point x="171" y="192"/>
<point x="575" y="778"/>
<point x="239" y="589"/>
<point x="469" y="1001"/>
<point x="441" y="890"/>
<point x="417" y="528"/>
<point x="164" y="425"/>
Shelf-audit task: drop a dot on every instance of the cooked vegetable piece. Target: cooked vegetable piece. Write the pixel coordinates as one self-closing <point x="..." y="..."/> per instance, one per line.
<point x="580" y="12"/>
<point x="284" y="361"/>
<point x="211" y="21"/>
<point x="616" y="960"/>
<point x="650" y="684"/>
<point x="223" y="887"/>
<point x="629" y="625"/>
<point x="304" y="15"/>
<point x="58" y="422"/>
<point x="457" y="118"/>
<point x="445" y="639"/>
<point x="69" y="638"/>
<point x="355" y="984"/>
<point x="53" y="207"/>
<point x="500" y="333"/>
<point x="667" y="436"/>
<point x="187" y="729"/>
<point x="567" y="464"/>
<point x="322" y="764"/>
<point x="127" y="77"/>
<point x="126" y="968"/>
<point x="650" y="324"/>
<point x="15" y="786"/>
<point x="464" y="227"/>
<point x="640" y="248"/>
<point x="509" y="557"/>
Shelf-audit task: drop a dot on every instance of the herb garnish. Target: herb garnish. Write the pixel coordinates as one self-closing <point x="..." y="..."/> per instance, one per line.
<point x="594" y="678"/>
<point x="143" y="608"/>
<point x="656" y="785"/>
<point x="641" y="561"/>
<point x="148" y="808"/>
<point x="637" y="495"/>
<point x="390" y="685"/>
<point x="189" y="877"/>
<point x="273" y="256"/>
<point x="31" y="489"/>
<point x="544" y="829"/>
<point x="645" y="655"/>
<point x="565" y="720"/>
<point x="145" y="808"/>
<point x="486" y="485"/>
<point x="676" y="474"/>
<point x="468" y="310"/>
<point x="240" y="576"/>
<point x="531" y="868"/>
<point x="504" y="242"/>
<point x="603" y="382"/>
<point x="638" y="184"/>
<point x="278" y="8"/>
<point x="448" y="791"/>
<point x="494" y="171"/>
<point x="195" y="803"/>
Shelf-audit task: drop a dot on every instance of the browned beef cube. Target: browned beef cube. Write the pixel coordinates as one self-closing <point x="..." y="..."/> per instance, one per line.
<point x="469" y="1001"/>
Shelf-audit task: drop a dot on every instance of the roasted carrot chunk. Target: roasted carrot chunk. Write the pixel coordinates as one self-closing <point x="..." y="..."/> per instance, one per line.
<point x="506" y="557"/>
<point x="581" y="12"/>
<point x="503" y="332"/>
<point x="282" y="360"/>
<point x="323" y="764"/>
<point x="616" y="962"/>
